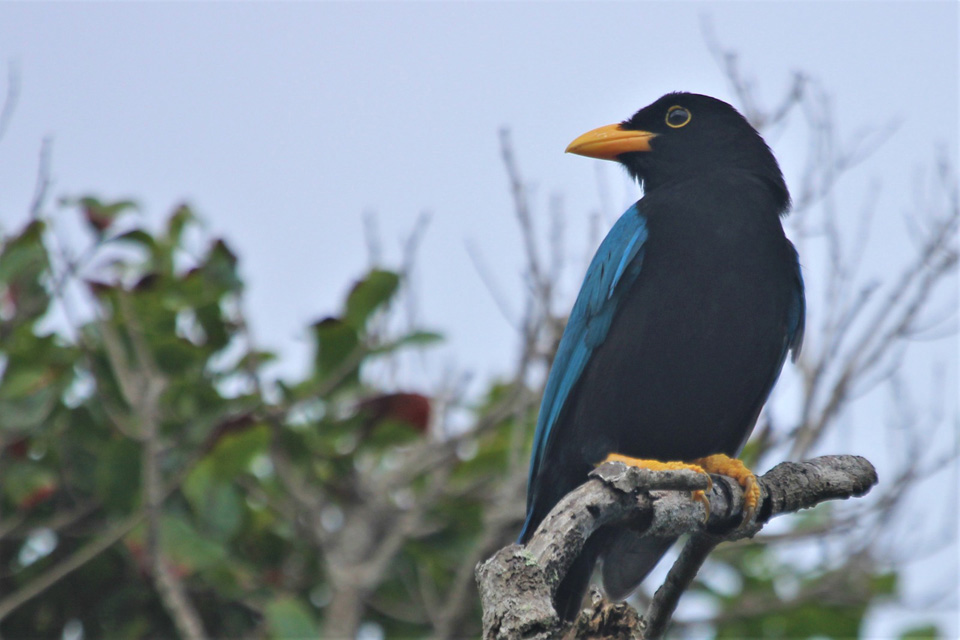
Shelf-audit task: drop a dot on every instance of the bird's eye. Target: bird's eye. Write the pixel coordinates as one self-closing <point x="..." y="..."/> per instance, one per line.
<point x="677" y="116"/>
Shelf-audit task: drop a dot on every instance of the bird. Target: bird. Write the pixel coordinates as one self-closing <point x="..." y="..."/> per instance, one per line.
<point x="687" y="313"/>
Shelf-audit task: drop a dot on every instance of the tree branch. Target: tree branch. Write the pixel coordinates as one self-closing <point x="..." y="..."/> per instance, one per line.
<point x="681" y="575"/>
<point x="144" y="394"/>
<point x="517" y="584"/>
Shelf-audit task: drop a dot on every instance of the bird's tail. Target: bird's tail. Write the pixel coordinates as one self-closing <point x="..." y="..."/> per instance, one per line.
<point x="574" y="585"/>
<point x="627" y="559"/>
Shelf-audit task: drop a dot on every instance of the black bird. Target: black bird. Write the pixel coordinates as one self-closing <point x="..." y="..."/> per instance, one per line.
<point x="684" y="320"/>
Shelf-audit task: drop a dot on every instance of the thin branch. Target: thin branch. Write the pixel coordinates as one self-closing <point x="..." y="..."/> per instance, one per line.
<point x="76" y="560"/>
<point x="19" y="526"/>
<point x="42" y="186"/>
<point x="411" y="245"/>
<point x="11" y="98"/>
<point x="522" y="209"/>
<point x="681" y="575"/>
<point x="371" y="234"/>
<point x="493" y="288"/>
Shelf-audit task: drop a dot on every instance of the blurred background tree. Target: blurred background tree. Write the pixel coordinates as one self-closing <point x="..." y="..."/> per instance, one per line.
<point x="154" y="482"/>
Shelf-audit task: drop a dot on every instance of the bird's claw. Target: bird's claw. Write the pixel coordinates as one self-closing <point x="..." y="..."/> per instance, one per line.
<point x="733" y="468"/>
<point x="720" y="464"/>
<point x="658" y="465"/>
<point x="701" y="497"/>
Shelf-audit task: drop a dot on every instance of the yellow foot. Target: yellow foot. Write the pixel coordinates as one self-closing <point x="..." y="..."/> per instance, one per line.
<point x="731" y="467"/>
<point x="657" y="465"/>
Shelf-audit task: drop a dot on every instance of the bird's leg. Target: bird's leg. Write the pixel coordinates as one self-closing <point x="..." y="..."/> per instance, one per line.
<point x="734" y="468"/>
<point x="658" y="465"/>
<point x="719" y="463"/>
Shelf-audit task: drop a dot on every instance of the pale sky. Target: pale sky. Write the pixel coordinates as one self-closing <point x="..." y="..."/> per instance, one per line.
<point x="283" y="123"/>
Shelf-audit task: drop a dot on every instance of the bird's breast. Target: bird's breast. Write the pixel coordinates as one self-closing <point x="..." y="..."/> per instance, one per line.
<point x="695" y="344"/>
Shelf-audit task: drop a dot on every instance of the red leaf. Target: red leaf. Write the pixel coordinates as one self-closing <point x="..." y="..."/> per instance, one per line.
<point x="37" y="496"/>
<point x="410" y="408"/>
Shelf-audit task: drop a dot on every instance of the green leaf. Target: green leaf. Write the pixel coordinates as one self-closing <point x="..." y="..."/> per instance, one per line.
<point x="210" y="318"/>
<point x="24" y="254"/>
<point x="219" y="507"/>
<point x="118" y="474"/>
<point x="421" y="338"/>
<point x="337" y="344"/>
<point x="884" y="583"/>
<point x="187" y="547"/>
<point x="369" y="294"/>
<point x="181" y="218"/>
<point x="100" y="215"/>
<point x="27" y="411"/>
<point x="175" y="356"/>
<point x="209" y="487"/>
<point x="137" y="237"/>
<point x="23" y="479"/>
<point x="413" y="339"/>
<point x="221" y="267"/>
<point x="390" y="434"/>
<point x="927" y="632"/>
<point x="23" y="270"/>
<point x="24" y="381"/>
<point x="288" y="618"/>
<point x="234" y="452"/>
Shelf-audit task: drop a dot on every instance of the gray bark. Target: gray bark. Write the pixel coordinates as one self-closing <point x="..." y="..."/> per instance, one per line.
<point x="517" y="584"/>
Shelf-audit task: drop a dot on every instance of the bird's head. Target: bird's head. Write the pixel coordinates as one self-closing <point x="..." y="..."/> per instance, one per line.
<point x="683" y="135"/>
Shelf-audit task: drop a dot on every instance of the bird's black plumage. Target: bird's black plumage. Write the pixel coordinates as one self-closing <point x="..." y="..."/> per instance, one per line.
<point x="683" y="323"/>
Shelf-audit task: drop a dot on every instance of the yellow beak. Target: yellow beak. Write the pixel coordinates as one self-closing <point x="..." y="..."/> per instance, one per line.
<point x="607" y="143"/>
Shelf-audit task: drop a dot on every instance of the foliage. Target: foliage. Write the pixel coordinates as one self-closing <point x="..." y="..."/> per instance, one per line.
<point x="159" y="385"/>
<point x="777" y="600"/>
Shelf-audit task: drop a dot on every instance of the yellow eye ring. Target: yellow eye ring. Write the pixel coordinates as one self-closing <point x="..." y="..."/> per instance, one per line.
<point x="677" y="117"/>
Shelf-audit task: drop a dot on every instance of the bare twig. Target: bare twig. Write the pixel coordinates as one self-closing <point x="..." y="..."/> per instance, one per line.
<point x="411" y="245"/>
<point x="493" y="288"/>
<point x="371" y="234"/>
<point x="11" y="97"/>
<point x="42" y="187"/>
<point x="681" y="575"/>
<point x="521" y="206"/>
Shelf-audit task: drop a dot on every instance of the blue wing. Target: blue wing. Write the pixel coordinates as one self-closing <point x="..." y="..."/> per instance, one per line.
<point x="613" y="269"/>
<point x="798" y="313"/>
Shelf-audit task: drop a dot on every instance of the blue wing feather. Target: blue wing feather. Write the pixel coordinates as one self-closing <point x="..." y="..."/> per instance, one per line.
<point x="613" y="269"/>
<point x="798" y="313"/>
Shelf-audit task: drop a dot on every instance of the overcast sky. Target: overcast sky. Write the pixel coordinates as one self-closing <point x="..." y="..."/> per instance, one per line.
<point x="283" y="124"/>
